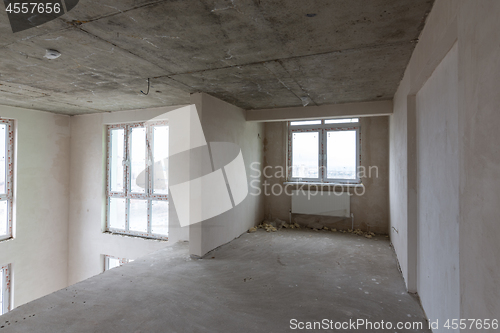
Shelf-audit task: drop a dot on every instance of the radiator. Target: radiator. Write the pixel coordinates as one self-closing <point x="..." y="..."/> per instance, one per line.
<point x="321" y="203"/>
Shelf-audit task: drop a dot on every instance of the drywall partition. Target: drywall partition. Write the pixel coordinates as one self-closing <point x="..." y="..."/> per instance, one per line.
<point x="473" y="26"/>
<point x="38" y="253"/>
<point x="398" y="179"/>
<point x="370" y="205"/>
<point x="223" y="122"/>
<point x="437" y="38"/>
<point x="438" y="191"/>
<point x="88" y="196"/>
<point x="479" y="54"/>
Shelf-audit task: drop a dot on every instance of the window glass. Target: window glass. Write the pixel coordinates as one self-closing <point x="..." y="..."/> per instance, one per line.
<point x="305" y="122"/>
<point x="305" y="155"/>
<point x="141" y="173"/>
<point x="341" y="121"/>
<point x="4" y="289"/>
<point x="117" y="213"/>
<point x="112" y="262"/>
<point x="3" y="158"/>
<point x="138" y="215"/>
<point x="159" y="221"/>
<point x="1" y="291"/>
<point x="160" y="170"/>
<point x="4" y="218"/>
<point x="341" y="154"/>
<point x="6" y="177"/>
<point x="138" y="160"/>
<point x="116" y="159"/>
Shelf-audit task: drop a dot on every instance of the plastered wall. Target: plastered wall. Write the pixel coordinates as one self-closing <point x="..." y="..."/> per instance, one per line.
<point x="38" y="253"/>
<point x="370" y="208"/>
<point x="60" y="196"/>
<point x="437" y="191"/>
<point x="472" y="28"/>
<point x="223" y="122"/>
<point x="88" y="193"/>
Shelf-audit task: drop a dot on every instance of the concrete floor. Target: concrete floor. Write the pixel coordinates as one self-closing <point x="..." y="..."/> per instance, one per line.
<point x="256" y="283"/>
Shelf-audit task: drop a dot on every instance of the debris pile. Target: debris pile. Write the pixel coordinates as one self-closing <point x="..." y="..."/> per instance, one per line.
<point x="268" y="227"/>
<point x="278" y="224"/>
<point x="291" y="226"/>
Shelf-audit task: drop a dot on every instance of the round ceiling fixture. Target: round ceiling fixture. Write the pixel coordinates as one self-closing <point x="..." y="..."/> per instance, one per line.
<point x="52" y="54"/>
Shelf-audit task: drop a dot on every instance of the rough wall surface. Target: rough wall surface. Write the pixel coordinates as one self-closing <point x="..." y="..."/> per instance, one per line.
<point x="479" y="54"/>
<point x="39" y="251"/>
<point x="398" y="177"/>
<point x="371" y="210"/>
<point x="223" y="122"/>
<point x="438" y="192"/>
<point x="88" y="197"/>
<point x="474" y="27"/>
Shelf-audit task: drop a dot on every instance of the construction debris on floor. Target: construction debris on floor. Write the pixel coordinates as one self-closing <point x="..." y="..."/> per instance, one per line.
<point x="278" y="224"/>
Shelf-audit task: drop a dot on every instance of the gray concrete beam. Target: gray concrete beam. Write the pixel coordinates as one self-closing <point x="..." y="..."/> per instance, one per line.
<point x="379" y="108"/>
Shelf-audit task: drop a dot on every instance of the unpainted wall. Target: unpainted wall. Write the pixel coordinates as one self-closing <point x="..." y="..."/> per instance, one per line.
<point x="479" y="63"/>
<point x="223" y="122"/>
<point x="88" y="197"/>
<point x="370" y="207"/>
<point x="438" y="192"/>
<point x="39" y="251"/>
<point x="473" y="27"/>
<point x="398" y="177"/>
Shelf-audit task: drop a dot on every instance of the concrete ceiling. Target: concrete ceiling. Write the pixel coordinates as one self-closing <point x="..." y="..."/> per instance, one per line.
<point x="251" y="53"/>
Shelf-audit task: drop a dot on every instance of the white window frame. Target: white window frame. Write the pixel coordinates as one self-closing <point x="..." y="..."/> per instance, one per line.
<point x="5" y="286"/>
<point x="127" y="194"/>
<point x="322" y="130"/>
<point x="121" y="260"/>
<point x="9" y="175"/>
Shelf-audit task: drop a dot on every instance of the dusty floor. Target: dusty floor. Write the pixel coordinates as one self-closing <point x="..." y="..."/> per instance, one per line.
<point x="257" y="283"/>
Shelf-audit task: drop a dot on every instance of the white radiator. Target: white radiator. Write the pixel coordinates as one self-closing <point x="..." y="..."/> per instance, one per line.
<point x="321" y="203"/>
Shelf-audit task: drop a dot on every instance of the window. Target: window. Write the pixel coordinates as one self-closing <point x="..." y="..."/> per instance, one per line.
<point x="112" y="262"/>
<point x="324" y="150"/>
<point x="137" y="179"/>
<point x="4" y="289"/>
<point x="6" y="177"/>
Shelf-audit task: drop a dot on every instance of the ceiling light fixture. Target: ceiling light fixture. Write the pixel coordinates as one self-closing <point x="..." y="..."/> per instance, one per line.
<point x="52" y="54"/>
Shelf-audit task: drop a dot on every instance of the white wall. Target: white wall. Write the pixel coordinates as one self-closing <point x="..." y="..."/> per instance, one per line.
<point x="479" y="123"/>
<point x="87" y="200"/>
<point x="438" y="192"/>
<point x="223" y="122"/>
<point x="60" y="196"/>
<point x="474" y="27"/>
<point x="398" y="177"/>
<point x="39" y="251"/>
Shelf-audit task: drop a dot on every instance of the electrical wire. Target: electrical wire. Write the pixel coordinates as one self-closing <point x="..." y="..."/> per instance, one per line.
<point x="149" y="83"/>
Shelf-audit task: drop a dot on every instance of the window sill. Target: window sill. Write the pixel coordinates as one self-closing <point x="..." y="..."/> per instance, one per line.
<point x="6" y="239"/>
<point x="324" y="184"/>
<point x="161" y="239"/>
